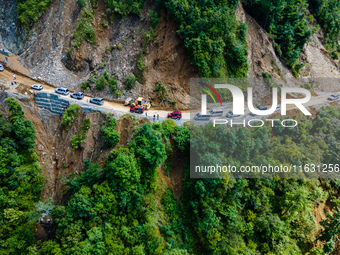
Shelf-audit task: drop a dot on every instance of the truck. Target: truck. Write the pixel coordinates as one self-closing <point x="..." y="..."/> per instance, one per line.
<point x="137" y="109"/>
<point x="176" y="115"/>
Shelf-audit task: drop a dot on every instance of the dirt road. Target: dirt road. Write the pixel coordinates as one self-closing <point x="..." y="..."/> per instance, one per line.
<point x="119" y="109"/>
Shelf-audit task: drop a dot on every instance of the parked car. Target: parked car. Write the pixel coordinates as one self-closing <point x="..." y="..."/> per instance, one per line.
<point x="97" y="100"/>
<point x="62" y="91"/>
<point x="260" y="107"/>
<point x="199" y="116"/>
<point x="230" y="114"/>
<point x="137" y="109"/>
<point x="37" y="87"/>
<point x="333" y="97"/>
<point x="1" y="67"/>
<point x="215" y="113"/>
<point x="77" y="95"/>
<point x="176" y="115"/>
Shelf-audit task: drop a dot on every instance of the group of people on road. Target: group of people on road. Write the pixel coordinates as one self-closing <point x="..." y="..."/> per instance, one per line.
<point x="154" y="116"/>
<point x="14" y="79"/>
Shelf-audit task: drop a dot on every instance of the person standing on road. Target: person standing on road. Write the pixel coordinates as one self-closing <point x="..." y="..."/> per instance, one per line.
<point x="146" y="114"/>
<point x="157" y="116"/>
<point x="14" y="77"/>
<point x="154" y="117"/>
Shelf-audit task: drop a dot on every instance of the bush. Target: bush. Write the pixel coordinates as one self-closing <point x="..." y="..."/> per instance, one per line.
<point x="125" y="7"/>
<point x="104" y="80"/>
<point x="111" y="136"/>
<point x="93" y="78"/>
<point x="77" y="140"/>
<point x="101" y="83"/>
<point x="307" y="86"/>
<point x="267" y="76"/>
<point x="168" y="127"/>
<point x="105" y="23"/>
<point x="85" y="85"/>
<point x="81" y="3"/>
<point x="161" y="91"/>
<point x="84" y="30"/>
<point x="69" y="116"/>
<point x="113" y="85"/>
<point x="334" y="55"/>
<point x="31" y="10"/>
<point x="130" y="81"/>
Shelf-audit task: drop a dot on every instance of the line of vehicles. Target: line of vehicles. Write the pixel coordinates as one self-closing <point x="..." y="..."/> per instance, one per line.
<point x="140" y="105"/>
<point x="230" y="114"/>
<point x="137" y="106"/>
<point x="76" y="95"/>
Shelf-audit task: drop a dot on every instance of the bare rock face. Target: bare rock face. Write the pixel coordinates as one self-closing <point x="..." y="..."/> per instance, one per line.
<point x="11" y="34"/>
<point x="318" y="63"/>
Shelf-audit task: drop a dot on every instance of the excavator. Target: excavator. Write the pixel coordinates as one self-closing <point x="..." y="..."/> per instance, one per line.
<point x="140" y="101"/>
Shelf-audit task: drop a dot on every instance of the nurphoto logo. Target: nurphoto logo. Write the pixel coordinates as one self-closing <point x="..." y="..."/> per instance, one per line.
<point x="238" y="100"/>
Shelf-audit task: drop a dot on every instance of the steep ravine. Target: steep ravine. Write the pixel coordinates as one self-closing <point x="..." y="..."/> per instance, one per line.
<point x="53" y="142"/>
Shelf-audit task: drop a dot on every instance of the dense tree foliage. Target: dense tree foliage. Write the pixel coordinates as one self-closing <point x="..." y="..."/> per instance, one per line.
<point x="111" y="136"/>
<point x="272" y="216"/>
<point x="31" y="10"/>
<point x="20" y="181"/>
<point x="121" y="208"/>
<point x="112" y="210"/>
<point x="286" y="22"/>
<point x="214" y="39"/>
<point x="327" y="13"/>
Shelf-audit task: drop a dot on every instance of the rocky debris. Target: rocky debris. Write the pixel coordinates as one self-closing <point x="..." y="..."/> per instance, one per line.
<point x="318" y="63"/>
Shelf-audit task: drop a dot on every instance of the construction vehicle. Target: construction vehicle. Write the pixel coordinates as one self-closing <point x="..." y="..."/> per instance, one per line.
<point x="129" y="101"/>
<point x="137" y="109"/>
<point x="140" y="101"/>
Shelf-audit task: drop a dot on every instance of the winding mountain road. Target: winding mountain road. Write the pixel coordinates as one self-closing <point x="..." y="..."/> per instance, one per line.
<point x="120" y="109"/>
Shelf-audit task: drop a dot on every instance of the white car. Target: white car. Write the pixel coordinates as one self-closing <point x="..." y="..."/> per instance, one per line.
<point x="333" y="97"/>
<point x="37" y="87"/>
<point x="62" y="91"/>
<point x="1" y="67"/>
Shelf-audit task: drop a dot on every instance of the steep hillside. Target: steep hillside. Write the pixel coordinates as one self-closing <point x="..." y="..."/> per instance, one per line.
<point x="139" y="52"/>
<point x="47" y="52"/>
<point x="94" y="183"/>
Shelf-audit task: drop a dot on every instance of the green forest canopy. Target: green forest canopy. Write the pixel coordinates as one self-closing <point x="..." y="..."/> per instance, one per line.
<point x="121" y="208"/>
